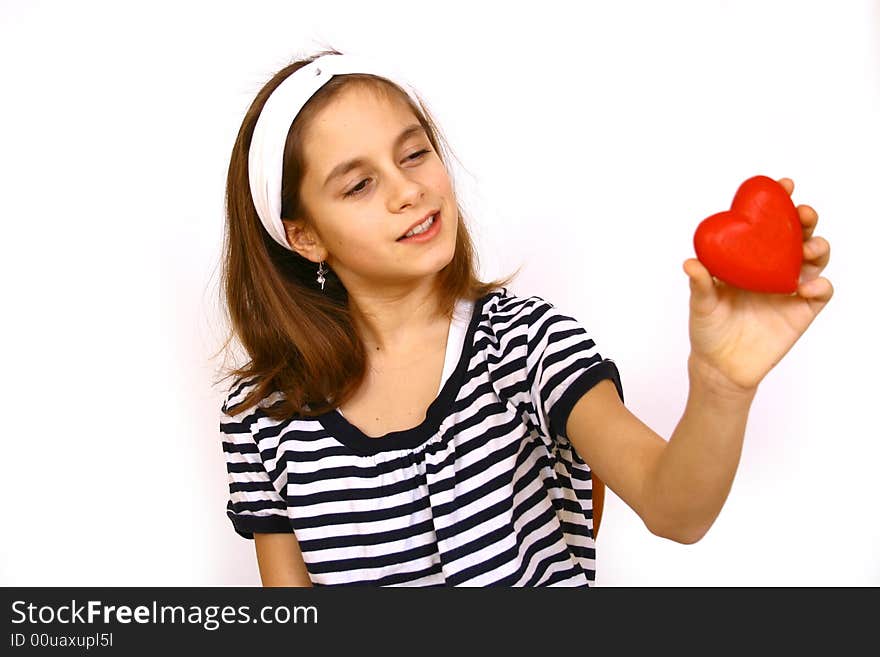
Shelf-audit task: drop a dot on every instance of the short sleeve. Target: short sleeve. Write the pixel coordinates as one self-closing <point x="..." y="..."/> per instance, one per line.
<point x="255" y="474"/>
<point x="563" y="363"/>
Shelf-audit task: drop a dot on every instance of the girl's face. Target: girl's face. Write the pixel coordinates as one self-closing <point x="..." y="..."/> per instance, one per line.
<point x="370" y="175"/>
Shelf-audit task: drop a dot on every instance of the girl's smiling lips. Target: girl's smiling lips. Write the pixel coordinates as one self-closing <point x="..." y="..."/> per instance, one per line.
<point x="430" y="214"/>
<point x="426" y="235"/>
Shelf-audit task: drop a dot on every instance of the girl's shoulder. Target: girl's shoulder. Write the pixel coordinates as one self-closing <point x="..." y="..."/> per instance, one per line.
<point x="504" y="305"/>
<point x="240" y="390"/>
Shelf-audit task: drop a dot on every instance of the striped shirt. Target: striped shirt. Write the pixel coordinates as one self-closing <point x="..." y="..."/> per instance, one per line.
<point x="487" y="490"/>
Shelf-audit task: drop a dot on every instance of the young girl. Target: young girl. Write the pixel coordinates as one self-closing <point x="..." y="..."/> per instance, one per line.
<point x="401" y="422"/>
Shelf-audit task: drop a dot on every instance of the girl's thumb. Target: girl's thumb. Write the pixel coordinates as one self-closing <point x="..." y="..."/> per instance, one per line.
<point x="703" y="294"/>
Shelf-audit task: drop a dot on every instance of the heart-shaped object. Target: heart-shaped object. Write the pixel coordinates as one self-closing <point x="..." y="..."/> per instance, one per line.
<point x="757" y="245"/>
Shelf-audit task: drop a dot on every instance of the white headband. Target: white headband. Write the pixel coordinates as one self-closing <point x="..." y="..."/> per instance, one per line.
<point x="266" y="154"/>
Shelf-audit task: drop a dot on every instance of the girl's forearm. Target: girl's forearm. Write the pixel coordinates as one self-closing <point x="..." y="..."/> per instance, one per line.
<point x="695" y="472"/>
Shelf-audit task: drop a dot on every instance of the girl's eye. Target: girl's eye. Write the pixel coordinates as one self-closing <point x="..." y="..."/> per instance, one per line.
<point x="418" y="154"/>
<point x="357" y="189"/>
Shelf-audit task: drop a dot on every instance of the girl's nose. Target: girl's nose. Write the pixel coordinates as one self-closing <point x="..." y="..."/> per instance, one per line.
<point x="404" y="190"/>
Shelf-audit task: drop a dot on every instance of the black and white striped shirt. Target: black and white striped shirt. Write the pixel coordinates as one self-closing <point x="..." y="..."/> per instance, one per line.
<point x="487" y="490"/>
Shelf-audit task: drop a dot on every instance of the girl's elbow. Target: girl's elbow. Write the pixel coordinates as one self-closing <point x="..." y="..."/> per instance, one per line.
<point x="683" y="535"/>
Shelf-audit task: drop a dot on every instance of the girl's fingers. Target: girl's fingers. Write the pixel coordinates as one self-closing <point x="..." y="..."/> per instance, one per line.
<point x="809" y="218"/>
<point x="818" y="290"/>
<point x="787" y="184"/>
<point x="817" y="252"/>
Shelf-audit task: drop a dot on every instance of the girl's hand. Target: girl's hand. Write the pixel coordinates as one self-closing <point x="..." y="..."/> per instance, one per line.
<point x="737" y="336"/>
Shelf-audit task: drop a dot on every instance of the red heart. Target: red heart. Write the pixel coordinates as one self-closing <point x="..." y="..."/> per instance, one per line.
<point x="756" y="245"/>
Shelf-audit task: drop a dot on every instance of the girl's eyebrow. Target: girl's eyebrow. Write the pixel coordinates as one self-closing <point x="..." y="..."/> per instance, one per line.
<point x="344" y="167"/>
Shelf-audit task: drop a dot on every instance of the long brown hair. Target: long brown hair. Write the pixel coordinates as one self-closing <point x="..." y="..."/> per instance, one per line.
<point x="301" y="340"/>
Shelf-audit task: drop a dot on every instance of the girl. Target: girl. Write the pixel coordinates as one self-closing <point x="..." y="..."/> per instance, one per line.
<point x="401" y="422"/>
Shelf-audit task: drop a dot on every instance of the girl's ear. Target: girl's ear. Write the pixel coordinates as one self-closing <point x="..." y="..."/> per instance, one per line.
<point x="303" y="239"/>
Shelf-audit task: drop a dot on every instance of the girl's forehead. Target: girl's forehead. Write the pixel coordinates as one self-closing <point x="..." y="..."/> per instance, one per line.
<point x="353" y="124"/>
<point x="359" y="111"/>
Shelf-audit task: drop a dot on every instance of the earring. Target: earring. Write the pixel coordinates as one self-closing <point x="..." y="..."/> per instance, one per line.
<point x="321" y="272"/>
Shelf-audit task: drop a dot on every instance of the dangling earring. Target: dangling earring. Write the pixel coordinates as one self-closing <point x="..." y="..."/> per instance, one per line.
<point x="321" y="272"/>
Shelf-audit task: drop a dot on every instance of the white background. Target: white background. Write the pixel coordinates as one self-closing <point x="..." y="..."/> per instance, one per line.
<point x="592" y="137"/>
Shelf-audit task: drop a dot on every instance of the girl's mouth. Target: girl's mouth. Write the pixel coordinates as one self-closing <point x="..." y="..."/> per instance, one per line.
<point x="432" y="230"/>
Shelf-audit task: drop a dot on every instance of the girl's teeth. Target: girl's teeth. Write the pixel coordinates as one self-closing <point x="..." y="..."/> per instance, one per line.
<point x="421" y="228"/>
